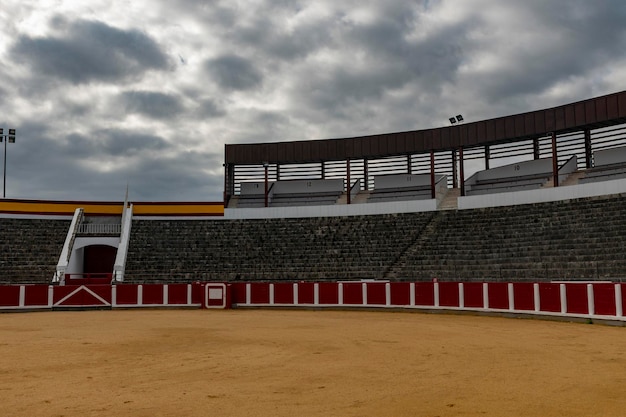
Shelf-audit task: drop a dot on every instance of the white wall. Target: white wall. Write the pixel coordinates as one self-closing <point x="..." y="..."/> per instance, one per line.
<point x="308" y="186"/>
<point x="535" y="166"/>
<point x="401" y="180"/>
<point x="609" y="156"/>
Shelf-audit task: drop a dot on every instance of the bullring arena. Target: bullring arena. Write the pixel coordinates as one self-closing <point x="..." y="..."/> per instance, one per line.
<point x="298" y="294"/>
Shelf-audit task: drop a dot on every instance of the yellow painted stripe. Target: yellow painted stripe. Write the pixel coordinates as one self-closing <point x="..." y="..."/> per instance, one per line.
<point x="111" y="208"/>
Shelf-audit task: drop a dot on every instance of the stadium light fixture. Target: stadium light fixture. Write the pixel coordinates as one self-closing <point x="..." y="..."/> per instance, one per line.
<point x="452" y="120"/>
<point x="459" y="118"/>
<point x="10" y="138"/>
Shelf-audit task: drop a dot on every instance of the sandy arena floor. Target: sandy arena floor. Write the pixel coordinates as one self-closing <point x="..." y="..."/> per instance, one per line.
<point x="306" y="363"/>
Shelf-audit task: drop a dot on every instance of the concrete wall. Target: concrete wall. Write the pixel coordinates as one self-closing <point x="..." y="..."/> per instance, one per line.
<point x="308" y="186"/>
<point x="609" y="156"/>
<point x="401" y="181"/>
<point x="518" y="169"/>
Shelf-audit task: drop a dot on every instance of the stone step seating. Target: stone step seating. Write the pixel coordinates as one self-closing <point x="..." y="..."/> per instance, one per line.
<point x="327" y="248"/>
<point x="604" y="173"/>
<point x="30" y="249"/>
<point x="567" y="239"/>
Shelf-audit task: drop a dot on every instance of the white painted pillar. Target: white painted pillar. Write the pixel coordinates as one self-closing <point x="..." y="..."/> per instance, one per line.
<point x="248" y="293"/>
<point x="295" y="293"/>
<point x="316" y="293"/>
<point x="271" y="294"/>
<point x="388" y="294"/>
<point x="412" y="294"/>
<point x="485" y="295"/>
<point x="113" y="296"/>
<point x="436" y="289"/>
<point x="22" y="299"/>
<point x="166" y="293"/>
<point x="139" y="294"/>
<point x="50" y="296"/>
<point x="619" y="308"/>
<point x="537" y="297"/>
<point x="340" y="295"/>
<point x="563" y="298"/>
<point x="590" y="300"/>
<point x="511" y="296"/>
<point x="364" y="293"/>
<point x="189" y="294"/>
<point x="461" y="295"/>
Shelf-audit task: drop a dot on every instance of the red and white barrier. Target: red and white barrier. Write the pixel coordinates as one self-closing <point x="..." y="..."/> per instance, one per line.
<point x="594" y="300"/>
<point x="599" y="300"/>
<point x="42" y="297"/>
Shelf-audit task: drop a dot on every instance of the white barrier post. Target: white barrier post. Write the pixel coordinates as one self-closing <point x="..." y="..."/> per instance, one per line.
<point x="619" y="308"/>
<point x="461" y="295"/>
<point x="590" y="301"/>
<point x="511" y="296"/>
<point x="563" y="294"/>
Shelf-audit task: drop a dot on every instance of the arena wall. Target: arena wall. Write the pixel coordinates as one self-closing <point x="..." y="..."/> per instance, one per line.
<point x="570" y="300"/>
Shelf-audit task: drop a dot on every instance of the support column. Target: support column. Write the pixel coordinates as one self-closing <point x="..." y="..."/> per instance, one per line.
<point x="455" y="183"/>
<point x="588" y="154"/>
<point x="349" y="190"/>
<point x="536" y="153"/>
<point x="365" y="175"/>
<point x="323" y="170"/>
<point x="487" y="156"/>
<point x="266" y="166"/>
<point x="461" y="172"/>
<point x="432" y="174"/>
<point x="277" y="172"/>
<point x="409" y="168"/>
<point x="555" y="161"/>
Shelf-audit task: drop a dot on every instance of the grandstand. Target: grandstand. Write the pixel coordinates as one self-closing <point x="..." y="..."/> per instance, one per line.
<point x="393" y="208"/>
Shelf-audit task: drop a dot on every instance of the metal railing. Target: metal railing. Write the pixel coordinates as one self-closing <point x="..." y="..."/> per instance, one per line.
<point x="100" y="229"/>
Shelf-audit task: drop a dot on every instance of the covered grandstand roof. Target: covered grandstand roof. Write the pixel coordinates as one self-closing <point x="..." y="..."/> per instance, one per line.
<point x="593" y="113"/>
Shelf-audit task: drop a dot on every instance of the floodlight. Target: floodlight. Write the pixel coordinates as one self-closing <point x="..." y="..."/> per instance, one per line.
<point x="459" y="118"/>
<point x="12" y="132"/>
<point x="1" y="131"/>
<point x="11" y="139"/>
<point x="452" y="120"/>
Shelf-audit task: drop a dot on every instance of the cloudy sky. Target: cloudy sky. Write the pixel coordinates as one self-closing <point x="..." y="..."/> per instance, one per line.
<point x="105" y="93"/>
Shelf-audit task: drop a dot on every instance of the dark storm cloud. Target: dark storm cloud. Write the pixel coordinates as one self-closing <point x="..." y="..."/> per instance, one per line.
<point x="152" y="104"/>
<point x="88" y="51"/>
<point x="208" y="108"/>
<point x="232" y="72"/>
<point x="112" y="143"/>
<point x="578" y="41"/>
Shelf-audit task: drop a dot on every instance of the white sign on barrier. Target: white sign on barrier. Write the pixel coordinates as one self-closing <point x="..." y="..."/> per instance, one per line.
<point x="215" y="296"/>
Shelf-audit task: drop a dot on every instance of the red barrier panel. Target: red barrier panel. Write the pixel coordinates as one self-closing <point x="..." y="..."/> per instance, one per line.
<point x="126" y="294"/>
<point x="238" y="292"/>
<point x="523" y="296"/>
<point x="376" y="293"/>
<point x="577" y="300"/>
<point x="81" y="296"/>
<point x="177" y="294"/>
<point x="152" y="294"/>
<point x="352" y="293"/>
<point x="10" y="296"/>
<point x="449" y="294"/>
<point x="283" y="293"/>
<point x="604" y="299"/>
<point x="36" y="295"/>
<point x="473" y="295"/>
<point x="549" y="297"/>
<point x="498" y="295"/>
<point x="424" y="294"/>
<point x="306" y="293"/>
<point x="400" y="293"/>
<point x="328" y="293"/>
<point x="260" y="293"/>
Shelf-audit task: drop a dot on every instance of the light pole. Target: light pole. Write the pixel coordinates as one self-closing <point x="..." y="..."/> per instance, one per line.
<point x="11" y="139"/>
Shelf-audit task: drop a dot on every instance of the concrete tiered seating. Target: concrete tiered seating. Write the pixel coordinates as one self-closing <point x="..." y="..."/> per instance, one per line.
<point x="322" y="248"/>
<point x="30" y="249"/>
<point x="609" y="164"/>
<point x="404" y="187"/>
<point x="520" y="176"/>
<point x="577" y="239"/>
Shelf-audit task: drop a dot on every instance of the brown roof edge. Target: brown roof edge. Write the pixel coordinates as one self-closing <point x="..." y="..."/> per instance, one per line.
<point x="586" y="114"/>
